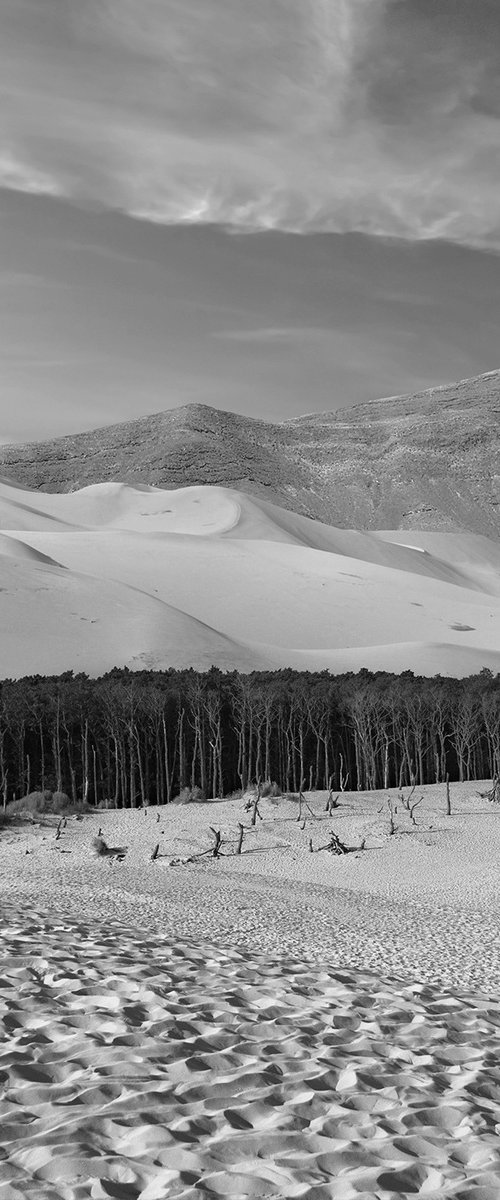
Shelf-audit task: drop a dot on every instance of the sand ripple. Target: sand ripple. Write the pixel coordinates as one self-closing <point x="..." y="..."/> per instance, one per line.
<point x="135" y="1066"/>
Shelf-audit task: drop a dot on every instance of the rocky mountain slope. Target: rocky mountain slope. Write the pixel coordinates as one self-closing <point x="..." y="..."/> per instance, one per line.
<point x="426" y="461"/>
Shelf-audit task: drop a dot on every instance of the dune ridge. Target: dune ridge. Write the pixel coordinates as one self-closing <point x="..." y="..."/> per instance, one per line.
<point x="118" y="575"/>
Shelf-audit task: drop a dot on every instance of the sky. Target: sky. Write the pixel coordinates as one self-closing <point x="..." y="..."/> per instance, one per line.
<point x="269" y="206"/>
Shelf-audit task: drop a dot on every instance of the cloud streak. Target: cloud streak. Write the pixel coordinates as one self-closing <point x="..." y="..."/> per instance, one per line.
<point x="278" y="334"/>
<point x="380" y="116"/>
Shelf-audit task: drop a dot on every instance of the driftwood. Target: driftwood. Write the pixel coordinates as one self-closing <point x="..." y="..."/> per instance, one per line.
<point x="335" y="846"/>
<point x="215" y="850"/>
<point x="494" y="794"/>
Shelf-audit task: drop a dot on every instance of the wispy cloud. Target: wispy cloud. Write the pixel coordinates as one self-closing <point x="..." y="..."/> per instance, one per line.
<point x="269" y="334"/>
<point x="26" y="177"/>
<point x="372" y="115"/>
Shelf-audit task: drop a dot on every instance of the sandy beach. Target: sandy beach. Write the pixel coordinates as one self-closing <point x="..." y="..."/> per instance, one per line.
<point x="278" y="1024"/>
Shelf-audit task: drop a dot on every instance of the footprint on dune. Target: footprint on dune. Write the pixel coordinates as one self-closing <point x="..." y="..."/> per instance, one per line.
<point x="120" y="1191"/>
<point x="410" y="1180"/>
<point x="236" y="1119"/>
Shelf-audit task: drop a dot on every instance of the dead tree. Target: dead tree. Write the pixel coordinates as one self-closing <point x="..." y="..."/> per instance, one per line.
<point x="3" y="788"/>
<point x="240" y="838"/>
<point x="393" y="808"/>
<point x="333" y="801"/>
<point x="255" y="811"/>
<point x="301" y="801"/>
<point x="343" y="778"/>
<point x="448" y="800"/>
<point x="406" y="801"/>
<point x="155" y="853"/>
<point x="217" y="842"/>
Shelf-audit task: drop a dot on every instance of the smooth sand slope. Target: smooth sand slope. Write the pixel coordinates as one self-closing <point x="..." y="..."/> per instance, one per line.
<point x="276" y="1025"/>
<point x="119" y="575"/>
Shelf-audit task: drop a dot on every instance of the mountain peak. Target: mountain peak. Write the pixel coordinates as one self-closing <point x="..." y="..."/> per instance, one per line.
<point x="428" y="460"/>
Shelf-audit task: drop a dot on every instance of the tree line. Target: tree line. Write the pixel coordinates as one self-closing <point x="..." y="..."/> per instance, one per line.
<point x="135" y="738"/>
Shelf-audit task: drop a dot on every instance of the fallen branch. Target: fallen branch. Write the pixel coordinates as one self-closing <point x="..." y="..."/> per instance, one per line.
<point x="335" y="846"/>
<point x="494" y="795"/>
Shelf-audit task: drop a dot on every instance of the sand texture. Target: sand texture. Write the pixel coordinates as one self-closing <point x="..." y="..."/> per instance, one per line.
<point x="114" y="575"/>
<point x="279" y="1024"/>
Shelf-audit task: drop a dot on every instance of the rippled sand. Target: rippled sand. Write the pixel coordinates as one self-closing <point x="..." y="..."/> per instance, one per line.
<point x="139" y="1066"/>
<point x="171" y="1053"/>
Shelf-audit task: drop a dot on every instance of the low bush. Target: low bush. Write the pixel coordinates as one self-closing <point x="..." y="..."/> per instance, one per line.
<point x="46" y="802"/>
<point x="190" y="795"/>
<point x="270" y="789"/>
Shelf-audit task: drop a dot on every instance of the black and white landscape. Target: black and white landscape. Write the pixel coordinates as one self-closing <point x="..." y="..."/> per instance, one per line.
<point x="249" y="599"/>
<point x="130" y="554"/>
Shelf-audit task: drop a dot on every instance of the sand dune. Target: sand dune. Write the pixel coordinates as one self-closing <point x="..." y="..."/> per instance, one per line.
<point x="59" y="619"/>
<point x="121" y="575"/>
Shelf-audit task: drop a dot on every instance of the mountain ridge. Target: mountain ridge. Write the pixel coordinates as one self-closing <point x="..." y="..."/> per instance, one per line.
<point x="425" y="460"/>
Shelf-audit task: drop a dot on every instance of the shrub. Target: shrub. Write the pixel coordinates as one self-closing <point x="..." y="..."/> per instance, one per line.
<point x="190" y="795"/>
<point x="270" y="789"/>
<point x="45" y="802"/>
<point x="236" y="795"/>
<point x="293" y="796"/>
